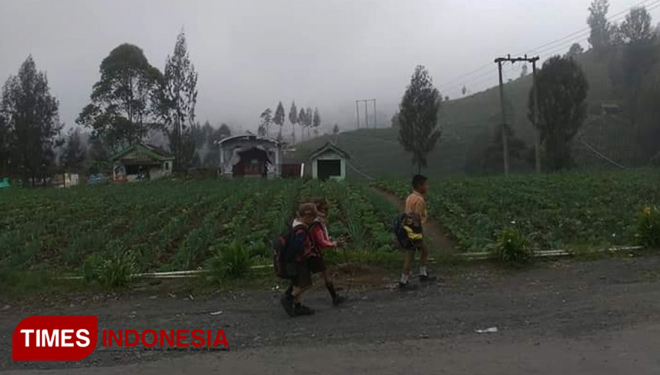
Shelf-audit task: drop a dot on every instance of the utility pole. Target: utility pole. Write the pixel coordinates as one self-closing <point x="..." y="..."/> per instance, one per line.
<point x="537" y="144"/>
<point x="366" y="111"/>
<point x="505" y="137"/>
<point x="375" y="118"/>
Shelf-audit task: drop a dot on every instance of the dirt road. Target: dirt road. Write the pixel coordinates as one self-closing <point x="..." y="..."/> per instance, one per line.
<point x="600" y="317"/>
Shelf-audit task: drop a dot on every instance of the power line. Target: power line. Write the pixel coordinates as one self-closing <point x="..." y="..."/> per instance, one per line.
<point x="549" y="49"/>
<point x="451" y="84"/>
<point x="587" y="29"/>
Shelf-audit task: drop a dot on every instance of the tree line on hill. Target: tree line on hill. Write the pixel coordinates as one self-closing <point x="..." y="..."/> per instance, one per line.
<point x="132" y="102"/>
<point x="306" y="119"/>
<point x="630" y="50"/>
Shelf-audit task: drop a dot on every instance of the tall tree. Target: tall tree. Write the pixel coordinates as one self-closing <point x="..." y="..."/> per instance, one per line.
<point x="575" y="50"/>
<point x="637" y="26"/>
<point x="335" y="129"/>
<point x="562" y="93"/>
<point x="639" y="55"/>
<point x="316" y="122"/>
<point x="418" y="117"/>
<point x="212" y="156"/>
<point x="302" y="121"/>
<point x="601" y="31"/>
<point x="279" y="118"/>
<point x="266" y="120"/>
<point x="177" y="101"/>
<point x="309" y="121"/>
<point x="98" y="155"/>
<point x="5" y="146"/>
<point x="31" y="119"/>
<point x="121" y="107"/>
<point x="75" y="153"/>
<point x="224" y="131"/>
<point x="317" y="118"/>
<point x="293" y="119"/>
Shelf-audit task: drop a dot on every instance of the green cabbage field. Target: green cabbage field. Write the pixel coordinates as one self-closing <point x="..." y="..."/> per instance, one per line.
<point x="555" y="211"/>
<point x="173" y="225"/>
<point x="185" y="225"/>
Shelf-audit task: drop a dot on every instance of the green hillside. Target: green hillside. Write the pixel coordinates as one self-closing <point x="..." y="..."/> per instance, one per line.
<point x="468" y="125"/>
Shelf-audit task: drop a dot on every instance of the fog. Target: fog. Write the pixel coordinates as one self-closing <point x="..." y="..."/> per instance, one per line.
<point x="251" y="54"/>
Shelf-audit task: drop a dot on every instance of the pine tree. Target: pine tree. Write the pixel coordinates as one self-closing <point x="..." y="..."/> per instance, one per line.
<point x="31" y="122"/>
<point x="317" y="120"/>
<point x="266" y="120"/>
<point x="302" y="121"/>
<point x="177" y="101"/>
<point x="279" y="118"/>
<point x="601" y="31"/>
<point x="418" y="117"/>
<point x="309" y="121"/>
<point x="293" y="119"/>
<point x="562" y="94"/>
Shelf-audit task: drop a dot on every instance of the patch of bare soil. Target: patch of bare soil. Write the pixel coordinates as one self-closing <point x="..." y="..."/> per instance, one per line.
<point x="433" y="229"/>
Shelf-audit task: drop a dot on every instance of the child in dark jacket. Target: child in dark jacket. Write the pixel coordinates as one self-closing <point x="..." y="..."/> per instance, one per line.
<point x="304" y="249"/>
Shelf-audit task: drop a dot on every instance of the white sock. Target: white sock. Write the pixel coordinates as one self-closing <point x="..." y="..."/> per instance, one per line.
<point x="404" y="278"/>
<point x="422" y="271"/>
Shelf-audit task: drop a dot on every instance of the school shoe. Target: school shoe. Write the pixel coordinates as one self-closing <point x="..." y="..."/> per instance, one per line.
<point x="287" y="303"/>
<point x="300" y="310"/>
<point x="427" y="279"/>
<point x="339" y="300"/>
<point x="407" y="286"/>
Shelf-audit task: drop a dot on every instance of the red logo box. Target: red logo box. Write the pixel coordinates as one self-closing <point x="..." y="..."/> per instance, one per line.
<point x="54" y="338"/>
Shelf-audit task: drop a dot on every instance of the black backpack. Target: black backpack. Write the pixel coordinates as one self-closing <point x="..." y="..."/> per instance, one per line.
<point x="400" y="231"/>
<point x="283" y="255"/>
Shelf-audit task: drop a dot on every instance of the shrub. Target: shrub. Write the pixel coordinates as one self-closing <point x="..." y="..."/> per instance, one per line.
<point x="648" y="227"/>
<point x="91" y="267"/>
<point x="512" y="247"/>
<point x="230" y="262"/>
<point x="116" y="271"/>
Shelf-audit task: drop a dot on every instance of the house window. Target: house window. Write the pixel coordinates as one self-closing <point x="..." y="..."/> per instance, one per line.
<point x="167" y="165"/>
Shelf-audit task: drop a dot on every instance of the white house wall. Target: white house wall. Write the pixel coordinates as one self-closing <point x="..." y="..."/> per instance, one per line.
<point x="329" y="155"/>
<point x="229" y="154"/>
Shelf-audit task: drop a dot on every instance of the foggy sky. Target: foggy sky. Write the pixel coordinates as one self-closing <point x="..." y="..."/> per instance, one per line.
<point x="250" y="54"/>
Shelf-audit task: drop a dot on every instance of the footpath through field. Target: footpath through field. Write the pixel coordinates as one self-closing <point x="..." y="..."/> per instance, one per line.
<point x="433" y="228"/>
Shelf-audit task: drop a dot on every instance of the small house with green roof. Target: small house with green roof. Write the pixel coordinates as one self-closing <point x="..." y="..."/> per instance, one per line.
<point x="141" y="162"/>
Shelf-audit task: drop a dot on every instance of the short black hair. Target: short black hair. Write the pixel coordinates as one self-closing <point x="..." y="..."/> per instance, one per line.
<point x="418" y="180"/>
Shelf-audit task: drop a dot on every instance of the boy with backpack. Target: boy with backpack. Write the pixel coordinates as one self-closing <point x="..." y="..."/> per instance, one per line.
<point x="319" y="232"/>
<point x="416" y="215"/>
<point x="291" y="260"/>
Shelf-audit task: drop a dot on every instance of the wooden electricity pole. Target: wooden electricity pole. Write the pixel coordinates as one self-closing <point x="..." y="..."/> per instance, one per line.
<point x="537" y="144"/>
<point x="505" y="136"/>
<point x="357" y="109"/>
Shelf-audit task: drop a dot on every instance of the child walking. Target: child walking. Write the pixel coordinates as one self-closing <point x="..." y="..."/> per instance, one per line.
<point x="303" y="247"/>
<point x="417" y="209"/>
<point x="319" y="233"/>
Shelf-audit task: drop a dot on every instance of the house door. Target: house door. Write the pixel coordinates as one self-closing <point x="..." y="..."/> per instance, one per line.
<point x="253" y="162"/>
<point x="328" y="168"/>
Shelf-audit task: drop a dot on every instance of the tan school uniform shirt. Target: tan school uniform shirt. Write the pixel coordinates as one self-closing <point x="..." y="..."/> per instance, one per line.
<point x="416" y="204"/>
